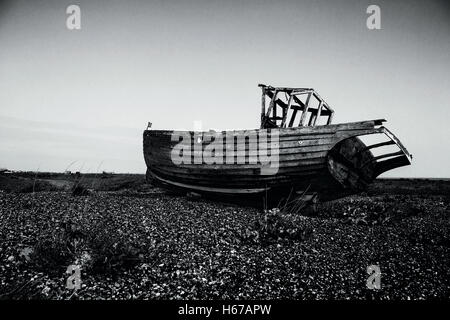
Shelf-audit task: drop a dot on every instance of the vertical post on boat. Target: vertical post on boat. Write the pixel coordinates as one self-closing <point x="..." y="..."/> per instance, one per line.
<point x="304" y="113"/>
<point x="319" y="111"/>
<point x="263" y="106"/>
<point x="330" y="118"/>
<point x="285" y="114"/>
<point x="273" y="106"/>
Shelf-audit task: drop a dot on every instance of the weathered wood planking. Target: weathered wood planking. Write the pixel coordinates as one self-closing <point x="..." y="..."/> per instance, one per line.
<point x="329" y="155"/>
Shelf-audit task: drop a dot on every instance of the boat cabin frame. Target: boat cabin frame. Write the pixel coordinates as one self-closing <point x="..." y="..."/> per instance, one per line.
<point x="292" y="107"/>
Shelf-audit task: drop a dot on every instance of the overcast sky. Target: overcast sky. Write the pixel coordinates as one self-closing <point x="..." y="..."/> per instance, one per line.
<point x="83" y="97"/>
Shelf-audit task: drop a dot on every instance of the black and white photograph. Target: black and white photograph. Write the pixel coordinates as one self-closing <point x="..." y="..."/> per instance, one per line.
<point x="224" y="155"/>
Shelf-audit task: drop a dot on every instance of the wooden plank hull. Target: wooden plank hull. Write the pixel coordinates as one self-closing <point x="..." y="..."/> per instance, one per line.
<point x="328" y="159"/>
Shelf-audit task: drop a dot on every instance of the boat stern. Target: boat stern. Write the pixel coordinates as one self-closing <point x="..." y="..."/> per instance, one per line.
<point x="353" y="164"/>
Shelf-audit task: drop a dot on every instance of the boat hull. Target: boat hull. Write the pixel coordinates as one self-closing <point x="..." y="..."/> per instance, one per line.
<point x="330" y="160"/>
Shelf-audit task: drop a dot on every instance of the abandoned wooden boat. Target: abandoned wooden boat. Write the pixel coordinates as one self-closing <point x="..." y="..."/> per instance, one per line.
<point x="296" y="149"/>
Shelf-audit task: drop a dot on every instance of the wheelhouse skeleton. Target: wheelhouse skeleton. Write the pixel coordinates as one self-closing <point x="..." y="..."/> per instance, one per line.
<point x="286" y="108"/>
